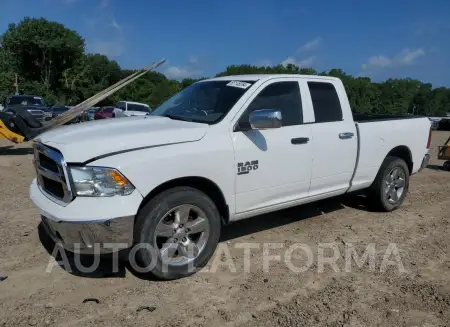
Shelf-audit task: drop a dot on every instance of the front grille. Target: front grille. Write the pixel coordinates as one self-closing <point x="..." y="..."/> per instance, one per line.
<point x="48" y="163"/>
<point x="51" y="173"/>
<point x="37" y="114"/>
<point x="53" y="187"/>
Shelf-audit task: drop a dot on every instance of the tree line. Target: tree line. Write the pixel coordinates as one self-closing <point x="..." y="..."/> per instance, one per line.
<point x="50" y="60"/>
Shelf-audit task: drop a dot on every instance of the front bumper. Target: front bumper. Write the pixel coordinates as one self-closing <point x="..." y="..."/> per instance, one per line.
<point x="92" y="237"/>
<point x="425" y="161"/>
<point x="89" y="225"/>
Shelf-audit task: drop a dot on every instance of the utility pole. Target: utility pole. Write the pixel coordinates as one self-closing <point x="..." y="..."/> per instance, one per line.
<point x="16" y="85"/>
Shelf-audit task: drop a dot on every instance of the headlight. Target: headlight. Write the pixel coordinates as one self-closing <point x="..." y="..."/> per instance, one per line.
<point x="99" y="181"/>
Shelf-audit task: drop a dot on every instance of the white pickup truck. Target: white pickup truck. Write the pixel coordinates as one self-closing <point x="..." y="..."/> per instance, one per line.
<point x="221" y="150"/>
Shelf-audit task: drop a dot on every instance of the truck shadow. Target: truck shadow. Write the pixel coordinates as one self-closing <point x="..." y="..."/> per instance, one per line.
<point x="80" y="265"/>
<point x="287" y="216"/>
<point x="436" y="167"/>
<point x="12" y="151"/>
<point x="278" y="219"/>
<point x="104" y="265"/>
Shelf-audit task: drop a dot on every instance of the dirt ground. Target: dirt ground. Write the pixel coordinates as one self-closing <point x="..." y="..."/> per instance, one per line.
<point x="364" y="296"/>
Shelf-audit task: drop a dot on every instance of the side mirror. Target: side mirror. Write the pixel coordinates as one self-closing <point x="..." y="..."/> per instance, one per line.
<point x="265" y="119"/>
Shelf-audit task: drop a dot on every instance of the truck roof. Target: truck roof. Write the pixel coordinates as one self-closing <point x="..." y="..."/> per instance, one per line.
<point x="264" y="77"/>
<point x="142" y="104"/>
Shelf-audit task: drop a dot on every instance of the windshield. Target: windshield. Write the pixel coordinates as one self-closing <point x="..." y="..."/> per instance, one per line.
<point x="137" y="107"/>
<point x="204" y="102"/>
<point x="26" y="100"/>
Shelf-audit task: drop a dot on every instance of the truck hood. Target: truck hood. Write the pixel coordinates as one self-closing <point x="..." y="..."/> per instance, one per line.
<point x="88" y="140"/>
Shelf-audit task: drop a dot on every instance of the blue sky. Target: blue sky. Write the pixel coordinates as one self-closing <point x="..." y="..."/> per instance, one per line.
<point x="380" y="39"/>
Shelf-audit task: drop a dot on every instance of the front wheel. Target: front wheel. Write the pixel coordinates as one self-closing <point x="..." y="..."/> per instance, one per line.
<point x="391" y="184"/>
<point x="177" y="232"/>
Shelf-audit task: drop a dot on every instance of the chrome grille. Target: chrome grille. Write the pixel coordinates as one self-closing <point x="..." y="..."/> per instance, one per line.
<point x="37" y="114"/>
<point x="51" y="171"/>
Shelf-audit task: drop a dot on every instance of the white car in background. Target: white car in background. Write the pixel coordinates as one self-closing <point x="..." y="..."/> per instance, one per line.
<point x="128" y="109"/>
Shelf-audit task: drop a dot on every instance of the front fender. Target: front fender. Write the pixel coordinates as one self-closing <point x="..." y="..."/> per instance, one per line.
<point x="149" y="168"/>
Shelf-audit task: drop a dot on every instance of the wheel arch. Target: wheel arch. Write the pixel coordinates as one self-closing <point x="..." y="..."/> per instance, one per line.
<point x="402" y="152"/>
<point x="201" y="183"/>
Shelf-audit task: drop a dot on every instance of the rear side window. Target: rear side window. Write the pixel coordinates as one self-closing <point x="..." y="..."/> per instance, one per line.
<point x="283" y="96"/>
<point x="326" y="104"/>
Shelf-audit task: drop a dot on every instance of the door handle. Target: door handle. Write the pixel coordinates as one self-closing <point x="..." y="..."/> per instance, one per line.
<point x="347" y="135"/>
<point x="300" y="140"/>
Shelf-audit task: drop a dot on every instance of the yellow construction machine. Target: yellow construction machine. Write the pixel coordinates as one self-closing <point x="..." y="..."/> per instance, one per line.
<point x="18" y="125"/>
<point x="444" y="154"/>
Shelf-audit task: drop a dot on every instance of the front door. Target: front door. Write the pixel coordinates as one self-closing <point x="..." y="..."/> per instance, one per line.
<point x="273" y="166"/>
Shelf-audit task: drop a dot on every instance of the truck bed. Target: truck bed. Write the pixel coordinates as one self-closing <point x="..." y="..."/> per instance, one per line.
<point x="380" y="136"/>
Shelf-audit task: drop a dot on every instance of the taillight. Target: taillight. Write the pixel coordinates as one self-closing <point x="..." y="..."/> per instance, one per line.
<point x="429" y="139"/>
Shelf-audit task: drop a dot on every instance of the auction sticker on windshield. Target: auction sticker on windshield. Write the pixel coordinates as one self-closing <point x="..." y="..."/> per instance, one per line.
<point x="239" y="84"/>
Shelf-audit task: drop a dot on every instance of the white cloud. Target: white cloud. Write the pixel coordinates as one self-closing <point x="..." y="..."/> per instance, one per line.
<point x="116" y="25"/>
<point x="112" y="48"/>
<point x="311" y="45"/>
<point x="408" y="56"/>
<point x="305" y="63"/>
<point x="296" y="60"/>
<point x="403" y="58"/>
<point x="193" y="60"/>
<point x="178" y="72"/>
<point x="105" y="35"/>
<point x="190" y="70"/>
<point x="377" y="61"/>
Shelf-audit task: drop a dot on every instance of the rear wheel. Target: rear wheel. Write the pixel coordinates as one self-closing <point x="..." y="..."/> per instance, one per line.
<point x="177" y="232"/>
<point x="391" y="184"/>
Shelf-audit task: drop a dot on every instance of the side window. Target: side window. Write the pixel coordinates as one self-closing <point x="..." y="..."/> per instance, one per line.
<point x="326" y="104"/>
<point x="283" y="96"/>
<point x="120" y="105"/>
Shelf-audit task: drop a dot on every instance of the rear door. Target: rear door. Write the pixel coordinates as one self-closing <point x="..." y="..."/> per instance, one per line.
<point x="335" y="138"/>
<point x="273" y="166"/>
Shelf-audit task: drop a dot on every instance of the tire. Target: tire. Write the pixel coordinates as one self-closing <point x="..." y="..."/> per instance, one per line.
<point x="380" y="196"/>
<point x="446" y="165"/>
<point x="152" y="215"/>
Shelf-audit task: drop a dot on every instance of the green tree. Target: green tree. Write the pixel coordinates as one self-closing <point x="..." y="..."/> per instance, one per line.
<point x="7" y="76"/>
<point x="43" y="49"/>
